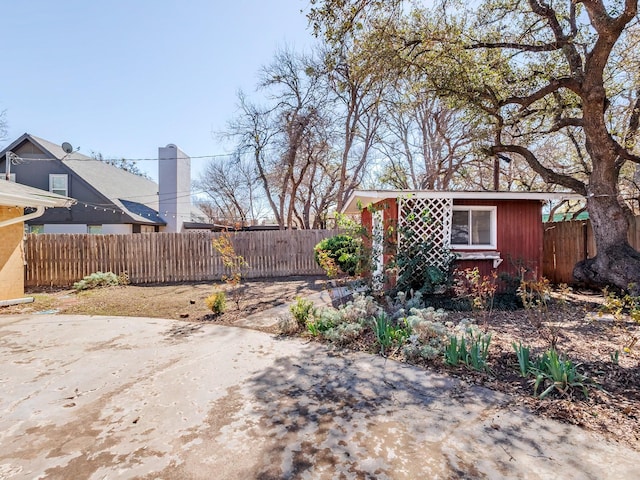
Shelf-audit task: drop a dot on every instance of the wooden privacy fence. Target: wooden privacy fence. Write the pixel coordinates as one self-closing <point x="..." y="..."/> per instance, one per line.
<point x="567" y="243"/>
<point x="62" y="259"/>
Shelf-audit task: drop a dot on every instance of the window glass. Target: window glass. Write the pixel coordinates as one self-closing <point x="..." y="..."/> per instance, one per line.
<point x="95" y="229"/>
<point x="460" y="227"/>
<point x="473" y="227"/>
<point x="36" y="228"/>
<point x="481" y="227"/>
<point x="58" y="184"/>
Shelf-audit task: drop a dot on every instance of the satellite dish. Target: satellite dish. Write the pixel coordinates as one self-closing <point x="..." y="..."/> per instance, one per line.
<point x="66" y="146"/>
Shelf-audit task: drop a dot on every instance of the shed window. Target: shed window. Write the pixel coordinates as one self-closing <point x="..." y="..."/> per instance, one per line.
<point x="94" y="229"/>
<point x="59" y="183"/>
<point x="473" y="227"/>
<point x="36" y="228"/>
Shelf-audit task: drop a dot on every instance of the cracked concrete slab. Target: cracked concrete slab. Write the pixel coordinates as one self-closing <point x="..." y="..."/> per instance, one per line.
<point x="110" y="397"/>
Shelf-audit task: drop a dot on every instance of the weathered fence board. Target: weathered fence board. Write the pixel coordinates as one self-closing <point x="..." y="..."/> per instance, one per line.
<point x="567" y="243"/>
<point x="62" y="259"/>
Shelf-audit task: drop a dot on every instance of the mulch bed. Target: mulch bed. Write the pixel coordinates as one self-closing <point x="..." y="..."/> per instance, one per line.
<point x="586" y="337"/>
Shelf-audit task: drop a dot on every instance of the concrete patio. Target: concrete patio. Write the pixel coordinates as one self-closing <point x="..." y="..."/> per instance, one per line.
<point x="113" y="397"/>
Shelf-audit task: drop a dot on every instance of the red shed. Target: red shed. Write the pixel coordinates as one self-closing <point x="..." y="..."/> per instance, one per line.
<point x="491" y="230"/>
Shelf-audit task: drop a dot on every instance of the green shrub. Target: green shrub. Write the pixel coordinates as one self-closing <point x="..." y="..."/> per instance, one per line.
<point x="216" y="302"/>
<point x="301" y="311"/>
<point x="341" y="249"/>
<point x="98" y="279"/>
<point x="416" y="271"/>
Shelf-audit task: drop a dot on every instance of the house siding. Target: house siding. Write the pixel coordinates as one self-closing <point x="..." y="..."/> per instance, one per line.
<point x="11" y="255"/>
<point x="35" y="173"/>
<point x="76" y="228"/>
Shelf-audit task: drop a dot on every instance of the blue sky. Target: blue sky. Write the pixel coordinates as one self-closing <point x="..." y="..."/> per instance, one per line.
<point x="125" y="77"/>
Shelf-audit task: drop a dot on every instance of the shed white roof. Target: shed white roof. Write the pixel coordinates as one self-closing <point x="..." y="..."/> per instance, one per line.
<point x="362" y="198"/>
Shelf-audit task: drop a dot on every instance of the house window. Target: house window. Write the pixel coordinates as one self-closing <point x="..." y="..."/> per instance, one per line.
<point x="94" y="229"/>
<point x="473" y="227"/>
<point x="58" y="183"/>
<point x="36" y="228"/>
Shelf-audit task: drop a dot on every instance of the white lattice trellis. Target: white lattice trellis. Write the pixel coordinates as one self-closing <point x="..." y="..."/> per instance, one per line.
<point x="424" y="228"/>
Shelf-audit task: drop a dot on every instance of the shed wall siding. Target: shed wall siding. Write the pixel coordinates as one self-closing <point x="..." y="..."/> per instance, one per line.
<point x="519" y="234"/>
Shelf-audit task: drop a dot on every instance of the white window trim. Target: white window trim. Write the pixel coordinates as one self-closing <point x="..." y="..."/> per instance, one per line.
<point x="494" y="228"/>
<point x="59" y="175"/>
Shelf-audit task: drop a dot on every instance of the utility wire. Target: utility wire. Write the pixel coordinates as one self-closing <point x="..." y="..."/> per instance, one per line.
<point x="189" y="157"/>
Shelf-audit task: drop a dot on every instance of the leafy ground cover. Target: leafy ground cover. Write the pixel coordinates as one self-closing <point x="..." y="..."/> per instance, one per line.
<point x="602" y="347"/>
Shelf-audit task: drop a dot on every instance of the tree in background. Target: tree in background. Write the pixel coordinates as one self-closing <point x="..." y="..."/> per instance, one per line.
<point x="426" y="144"/>
<point x="286" y="140"/>
<point x="233" y="191"/>
<point x="534" y="71"/>
<point x="127" y="165"/>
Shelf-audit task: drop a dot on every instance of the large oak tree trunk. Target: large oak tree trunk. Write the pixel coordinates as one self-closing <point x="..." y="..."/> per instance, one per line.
<point x="616" y="262"/>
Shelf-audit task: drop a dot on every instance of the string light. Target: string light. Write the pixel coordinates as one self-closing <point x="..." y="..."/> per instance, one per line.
<point x="151" y="214"/>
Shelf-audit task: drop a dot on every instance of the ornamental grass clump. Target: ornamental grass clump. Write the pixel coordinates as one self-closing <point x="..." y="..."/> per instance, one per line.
<point x="388" y="334"/>
<point x="554" y="372"/>
<point x="524" y="359"/>
<point x="470" y="347"/>
<point x="551" y="372"/>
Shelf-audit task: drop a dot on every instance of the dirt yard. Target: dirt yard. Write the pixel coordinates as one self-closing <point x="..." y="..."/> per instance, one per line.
<point x="605" y="347"/>
<point x="180" y="301"/>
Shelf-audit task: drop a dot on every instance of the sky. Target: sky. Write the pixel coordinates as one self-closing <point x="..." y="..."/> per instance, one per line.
<point x="125" y="77"/>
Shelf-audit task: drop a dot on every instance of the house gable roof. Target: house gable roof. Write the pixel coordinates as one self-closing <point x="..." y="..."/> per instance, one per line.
<point x="362" y="198"/>
<point x="121" y="188"/>
<point x="124" y="189"/>
<point x="48" y="149"/>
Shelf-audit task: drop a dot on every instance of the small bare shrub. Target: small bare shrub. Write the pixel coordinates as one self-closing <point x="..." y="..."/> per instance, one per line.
<point x="216" y="302"/>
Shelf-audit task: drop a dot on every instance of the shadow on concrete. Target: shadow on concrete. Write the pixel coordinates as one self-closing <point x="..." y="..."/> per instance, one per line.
<point x="361" y="417"/>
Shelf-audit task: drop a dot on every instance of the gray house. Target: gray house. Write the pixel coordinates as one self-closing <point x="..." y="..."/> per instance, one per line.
<point x="109" y="199"/>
